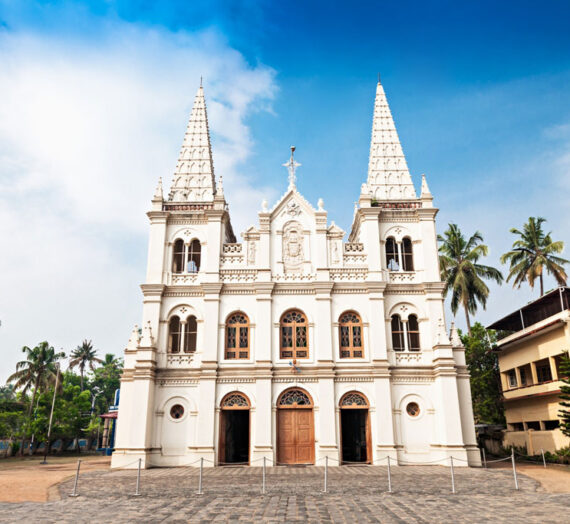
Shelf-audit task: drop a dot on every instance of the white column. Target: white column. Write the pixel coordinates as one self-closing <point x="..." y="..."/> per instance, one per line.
<point x="156" y="246"/>
<point x="400" y="259"/>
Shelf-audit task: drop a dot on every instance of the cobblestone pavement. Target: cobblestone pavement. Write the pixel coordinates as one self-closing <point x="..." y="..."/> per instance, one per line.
<point x="355" y="494"/>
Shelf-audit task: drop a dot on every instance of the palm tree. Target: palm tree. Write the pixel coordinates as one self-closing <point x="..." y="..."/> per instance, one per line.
<point x="461" y="272"/>
<point x="533" y="252"/>
<point x="38" y="371"/>
<point x="83" y="356"/>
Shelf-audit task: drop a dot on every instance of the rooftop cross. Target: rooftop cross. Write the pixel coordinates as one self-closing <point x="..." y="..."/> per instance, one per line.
<point x="292" y="167"/>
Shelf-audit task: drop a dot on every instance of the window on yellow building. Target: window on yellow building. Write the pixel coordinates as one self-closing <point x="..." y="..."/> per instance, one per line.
<point x="512" y="377"/>
<point x="543" y="371"/>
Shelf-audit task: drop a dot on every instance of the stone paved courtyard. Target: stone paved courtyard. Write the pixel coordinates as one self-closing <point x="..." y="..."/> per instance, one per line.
<point x="355" y="494"/>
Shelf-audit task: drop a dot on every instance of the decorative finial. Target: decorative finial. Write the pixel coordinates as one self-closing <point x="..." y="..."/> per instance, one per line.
<point x="201" y="80"/>
<point x="264" y="206"/>
<point x="321" y="204"/>
<point x="292" y="166"/>
<point x="379" y="78"/>
<point x="221" y="184"/>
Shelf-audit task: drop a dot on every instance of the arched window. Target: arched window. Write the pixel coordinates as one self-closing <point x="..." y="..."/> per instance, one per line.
<point x="407" y="254"/>
<point x="178" y="256"/>
<point x="237" y="336"/>
<point x="398" y="338"/>
<point x="392" y="258"/>
<point x="350" y="331"/>
<point x="174" y="335"/>
<point x="194" y="255"/>
<point x="293" y="331"/>
<point x="190" y="334"/>
<point x="413" y="329"/>
<point x="186" y="257"/>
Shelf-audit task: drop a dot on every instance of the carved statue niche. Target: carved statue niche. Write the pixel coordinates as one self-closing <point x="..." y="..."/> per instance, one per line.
<point x="251" y="253"/>
<point x="293" y="250"/>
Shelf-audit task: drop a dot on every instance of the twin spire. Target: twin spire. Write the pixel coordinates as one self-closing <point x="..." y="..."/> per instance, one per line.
<point x="388" y="174"/>
<point x="194" y="179"/>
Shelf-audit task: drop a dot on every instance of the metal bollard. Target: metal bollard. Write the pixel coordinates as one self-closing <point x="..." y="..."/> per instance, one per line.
<point x="137" y="491"/>
<point x="326" y="473"/>
<point x="514" y="468"/>
<point x="200" y="477"/>
<point x="543" y="459"/>
<point x="389" y="476"/>
<point x="484" y="458"/>
<point x="74" y="492"/>
<point x="263" y="485"/>
<point x="452" y="475"/>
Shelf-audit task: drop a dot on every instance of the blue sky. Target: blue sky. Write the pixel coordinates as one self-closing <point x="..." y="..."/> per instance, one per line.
<point x="96" y="98"/>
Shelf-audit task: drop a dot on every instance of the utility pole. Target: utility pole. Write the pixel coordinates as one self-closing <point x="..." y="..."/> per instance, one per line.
<point x="51" y="414"/>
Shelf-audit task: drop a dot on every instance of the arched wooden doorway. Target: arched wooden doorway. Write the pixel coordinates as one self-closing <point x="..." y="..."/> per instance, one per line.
<point x="295" y="428"/>
<point x="355" y="428"/>
<point x="234" y="429"/>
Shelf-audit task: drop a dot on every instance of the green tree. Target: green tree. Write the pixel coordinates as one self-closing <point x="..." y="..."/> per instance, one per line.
<point x="107" y="379"/>
<point x="485" y="377"/>
<point x="564" y="413"/>
<point x="463" y="276"/>
<point x="37" y="372"/>
<point x="532" y="253"/>
<point x="70" y="414"/>
<point x="84" y="356"/>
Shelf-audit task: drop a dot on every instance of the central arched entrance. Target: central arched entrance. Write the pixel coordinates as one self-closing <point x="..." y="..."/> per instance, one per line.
<point x="295" y="428"/>
<point x="234" y="429"/>
<point x="355" y="428"/>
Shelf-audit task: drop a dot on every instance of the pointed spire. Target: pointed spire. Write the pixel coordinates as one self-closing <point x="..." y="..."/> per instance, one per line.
<point x="388" y="175"/>
<point x="193" y="179"/>
<point x="134" y="339"/>
<point x="454" y="336"/>
<point x="425" y="189"/>
<point x="147" y="341"/>
<point x="158" y="192"/>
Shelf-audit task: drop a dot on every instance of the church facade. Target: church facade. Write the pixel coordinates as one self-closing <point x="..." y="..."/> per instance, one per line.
<point x="296" y="343"/>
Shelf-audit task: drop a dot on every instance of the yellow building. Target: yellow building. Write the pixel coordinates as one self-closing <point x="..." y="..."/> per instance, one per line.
<point x="531" y="343"/>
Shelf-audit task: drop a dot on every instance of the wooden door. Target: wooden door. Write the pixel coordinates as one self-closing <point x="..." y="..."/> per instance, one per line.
<point x="295" y="437"/>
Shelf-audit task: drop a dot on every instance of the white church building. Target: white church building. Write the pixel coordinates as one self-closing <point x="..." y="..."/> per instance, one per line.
<point x="296" y="343"/>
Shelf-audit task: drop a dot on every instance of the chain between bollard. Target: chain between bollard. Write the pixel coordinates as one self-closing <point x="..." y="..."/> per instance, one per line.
<point x="74" y="492"/>
<point x="484" y="458"/>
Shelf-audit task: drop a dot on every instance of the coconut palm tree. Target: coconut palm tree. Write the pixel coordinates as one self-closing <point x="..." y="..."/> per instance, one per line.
<point x="532" y="253"/>
<point x="462" y="275"/>
<point x="37" y="372"/>
<point x="84" y="356"/>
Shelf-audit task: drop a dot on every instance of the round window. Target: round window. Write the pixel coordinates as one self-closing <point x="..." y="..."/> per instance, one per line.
<point x="176" y="411"/>
<point x="413" y="409"/>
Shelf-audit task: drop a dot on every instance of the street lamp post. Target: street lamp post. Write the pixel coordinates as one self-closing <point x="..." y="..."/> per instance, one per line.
<point x="51" y="414"/>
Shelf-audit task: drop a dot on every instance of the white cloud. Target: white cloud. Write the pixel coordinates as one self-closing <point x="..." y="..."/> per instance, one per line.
<point x="85" y="132"/>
